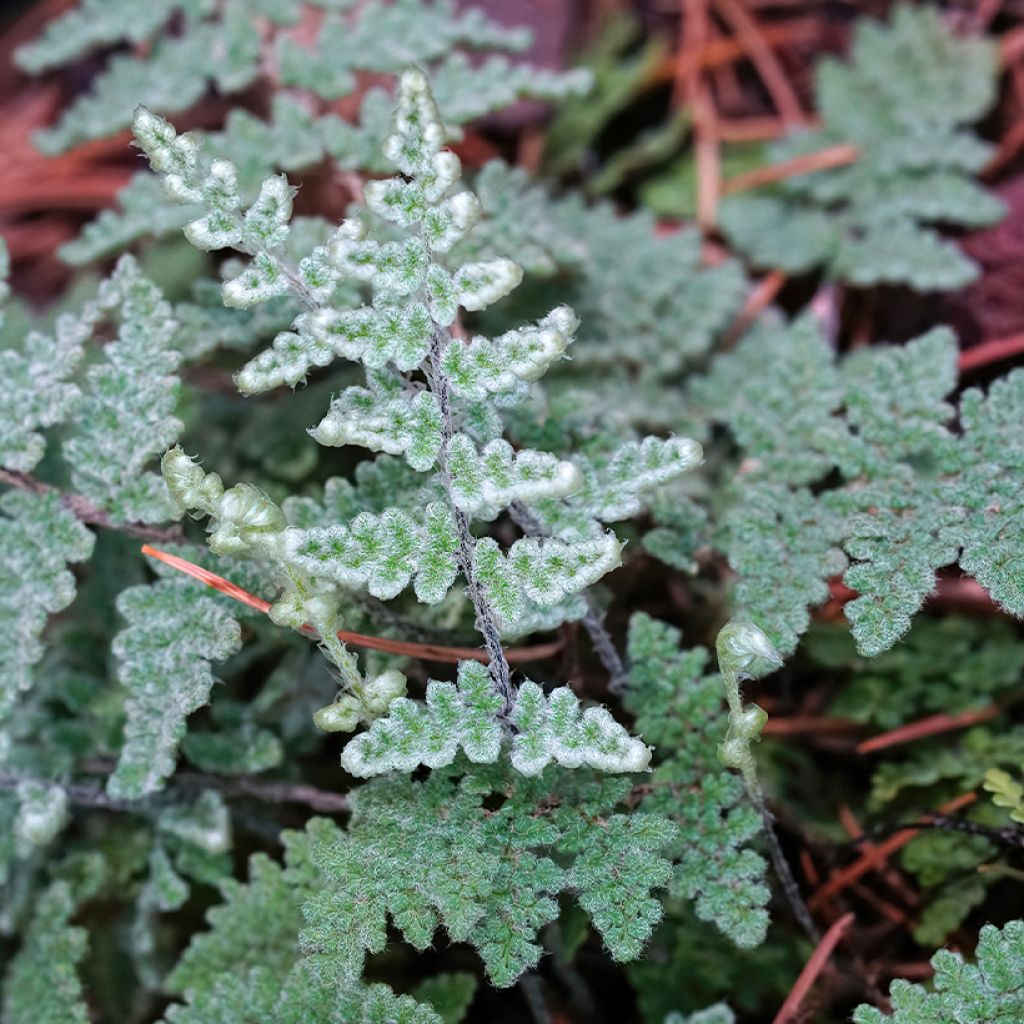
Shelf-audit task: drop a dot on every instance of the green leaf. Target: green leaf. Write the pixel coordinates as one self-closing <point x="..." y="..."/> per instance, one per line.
<point x="989" y="990"/>
<point x="41" y="985"/>
<point x="164" y="658"/>
<point x="38" y="537"/>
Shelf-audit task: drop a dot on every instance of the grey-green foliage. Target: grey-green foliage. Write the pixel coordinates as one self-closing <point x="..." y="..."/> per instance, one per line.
<point x="957" y="767"/>
<point x="41" y="985"/>
<point x="125" y="416"/>
<point x="164" y="658"/>
<point x="990" y="991"/>
<point x="449" y="994"/>
<point x="433" y="853"/>
<point x="948" y="665"/>
<point x="648" y="306"/>
<point x="115" y="417"/>
<point x="679" y="708"/>
<point x="549" y="728"/>
<point x="449" y="423"/>
<point x="903" y="100"/>
<point x="230" y="46"/>
<point x="38" y="538"/>
<point x="247" y="967"/>
<point x="866" y="475"/>
<point x="123" y="409"/>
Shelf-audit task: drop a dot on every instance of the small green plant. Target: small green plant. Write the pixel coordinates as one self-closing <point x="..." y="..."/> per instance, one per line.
<point x="991" y="990"/>
<point x="902" y="101"/>
<point x="434" y="731"/>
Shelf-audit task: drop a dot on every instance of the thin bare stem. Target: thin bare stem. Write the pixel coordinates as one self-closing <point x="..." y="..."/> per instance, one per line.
<point x="486" y="620"/>
<point x="840" y="155"/>
<point x="85" y="511"/>
<point x="812" y="969"/>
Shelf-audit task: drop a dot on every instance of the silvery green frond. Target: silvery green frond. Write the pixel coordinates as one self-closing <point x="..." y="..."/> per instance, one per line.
<point x="222" y="45"/>
<point x="544" y="572"/>
<point x="383" y="553"/>
<point x="431" y="853"/>
<point x="488" y="480"/>
<point x="38" y="537"/>
<point x="902" y="100"/>
<point x="552" y="727"/>
<point x="41" y="984"/>
<point x="678" y="705"/>
<point x="616" y="487"/>
<point x="975" y="993"/>
<point x="164" y="657"/>
<point x="37" y="391"/>
<point x="383" y="418"/>
<point x="125" y="414"/>
<point x="644" y="298"/>
<point x="548" y="728"/>
<point x="496" y="367"/>
<point x="386" y="38"/>
<point x="412" y="734"/>
<point x="868" y="478"/>
<point x="172" y="78"/>
<point x="95" y="24"/>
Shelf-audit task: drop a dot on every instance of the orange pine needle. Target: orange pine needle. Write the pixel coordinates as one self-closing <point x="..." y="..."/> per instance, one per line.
<point x="428" y="652"/>
<point x="814" y="966"/>
<point x="823" y="159"/>
<point x="993" y="351"/>
<point x="877" y="855"/>
<point x="934" y="725"/>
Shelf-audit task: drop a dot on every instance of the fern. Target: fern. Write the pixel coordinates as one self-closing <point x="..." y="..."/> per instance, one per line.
<point x="407" y="327"/>
<point x="946" y="665"/>
<point x="990" y="990"/>
<point x="902" y="100"/>
<point x="430" y="853"/>
<point x="230" y="47"/>
<point x="164" y="662"/>
<point x="42" y="983"/>
<point x="38" y="537"/>
<point x="913" y="496"/>
<point x="678" y="707"/>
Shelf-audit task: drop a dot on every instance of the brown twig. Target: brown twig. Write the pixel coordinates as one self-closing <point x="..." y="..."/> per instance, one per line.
<point x="751" y="38"/>
<point x="893" y="878"/>
<point x="715" y="53"/>
<point x="751" y="129"/>
<point x="807" y="725"/>
<point x="761" y="296"/>
<point x="934" y="725"/>
<point x="994" y="351"/>
<point x="428" y="652"/>
<point x="690" y="87"/>
<point x="85" y="511"/>
<point x="812" y="969"/>
<point x="877" y="855"/>
<point x="273" y="791"/>
<point x="840" y="155"/>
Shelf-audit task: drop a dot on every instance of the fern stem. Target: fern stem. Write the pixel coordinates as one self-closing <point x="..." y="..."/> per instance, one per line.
<point x="784" y="873"/>
<point x="486" y="621"/>
<point x="85" y="511"/>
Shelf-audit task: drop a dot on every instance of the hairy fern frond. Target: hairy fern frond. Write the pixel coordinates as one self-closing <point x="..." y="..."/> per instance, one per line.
<point x="912" y="495"/>
<point x="902" y="100"/>
<point x="989" y="990"/>
<point x="434" y="422"/>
